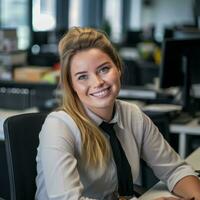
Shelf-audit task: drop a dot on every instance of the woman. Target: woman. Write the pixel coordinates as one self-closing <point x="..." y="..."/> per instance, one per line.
<point x="76" y="159"/>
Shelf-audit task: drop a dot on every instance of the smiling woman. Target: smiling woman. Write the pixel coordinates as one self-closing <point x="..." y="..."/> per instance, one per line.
<point x="90" y="147"/>
<point x="96" y="81"/>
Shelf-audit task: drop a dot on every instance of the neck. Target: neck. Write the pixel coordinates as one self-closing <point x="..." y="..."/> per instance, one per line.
<point x="106" y="115"/>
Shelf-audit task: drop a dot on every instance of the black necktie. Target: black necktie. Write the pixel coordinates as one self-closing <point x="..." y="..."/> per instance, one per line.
<point x="125" y="181"/>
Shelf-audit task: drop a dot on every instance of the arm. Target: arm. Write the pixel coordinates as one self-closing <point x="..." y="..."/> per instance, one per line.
<point x="59" y="162"/>
<point x="174" y="198"/>
<point x="188" y="187"/>
<point x="166" y="163"/>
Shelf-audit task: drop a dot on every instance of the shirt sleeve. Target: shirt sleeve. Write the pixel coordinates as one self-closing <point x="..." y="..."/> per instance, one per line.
<point x="161" y="157"/>
<point x="57" y="150"/>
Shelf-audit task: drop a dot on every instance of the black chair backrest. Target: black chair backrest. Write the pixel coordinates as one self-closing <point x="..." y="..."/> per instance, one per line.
<point x="161" y="120"/>
<point x="131" y="73"/>
<point x="21" y="140"/>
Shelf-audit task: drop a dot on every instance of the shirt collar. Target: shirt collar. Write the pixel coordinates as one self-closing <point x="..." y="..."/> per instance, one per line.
<point x="98" y="120"/>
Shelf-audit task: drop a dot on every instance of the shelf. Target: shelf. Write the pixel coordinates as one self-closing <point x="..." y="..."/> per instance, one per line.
<point x="29" y="85"/>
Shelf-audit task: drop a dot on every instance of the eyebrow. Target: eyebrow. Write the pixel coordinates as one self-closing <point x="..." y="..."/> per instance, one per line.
<point x="78" y="73"/>
<point x="107" y="62"/>
<point x="84" y="72"/>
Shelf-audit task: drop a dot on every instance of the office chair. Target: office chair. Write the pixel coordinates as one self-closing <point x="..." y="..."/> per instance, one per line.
<point x="131" y="73"/>
<point x="4" y="182"/>
<point x="161" y="120"/>
<point x="21" y="141"/>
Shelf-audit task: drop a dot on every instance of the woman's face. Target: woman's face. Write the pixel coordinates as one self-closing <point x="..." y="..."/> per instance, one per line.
<point x="96" y="80"/>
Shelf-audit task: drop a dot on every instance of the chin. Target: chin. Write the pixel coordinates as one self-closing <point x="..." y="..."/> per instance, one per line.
<point x="105" y="104"/>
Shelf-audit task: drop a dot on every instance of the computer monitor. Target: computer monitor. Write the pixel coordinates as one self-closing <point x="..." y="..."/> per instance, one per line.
<point x="132" y="38"/>
<point x="40" y="37"/>
<point x="180" y="66"/>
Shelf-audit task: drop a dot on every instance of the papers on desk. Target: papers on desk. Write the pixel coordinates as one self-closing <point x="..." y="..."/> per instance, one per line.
<point x="137" y="93"/>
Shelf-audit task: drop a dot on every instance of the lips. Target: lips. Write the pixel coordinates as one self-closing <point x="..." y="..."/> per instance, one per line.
<point x="101" y="93"/>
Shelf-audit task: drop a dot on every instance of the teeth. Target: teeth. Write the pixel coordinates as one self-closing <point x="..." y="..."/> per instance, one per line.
<point x="101" y="93"/>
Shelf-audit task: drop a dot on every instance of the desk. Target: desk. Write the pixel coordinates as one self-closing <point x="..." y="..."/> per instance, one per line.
<point x="160" y="188"/>
<point x="191" y="128"/>
<point x="4" y="113"/>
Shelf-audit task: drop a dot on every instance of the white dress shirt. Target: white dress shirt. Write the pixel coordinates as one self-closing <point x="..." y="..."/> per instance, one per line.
<point x="61" y="170"/>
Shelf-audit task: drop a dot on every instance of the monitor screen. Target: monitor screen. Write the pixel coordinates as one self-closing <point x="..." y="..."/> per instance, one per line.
<point x="40" y="37"/>
<point x="180" y="66"/>
<point x="133" y="38"/>
<point x="174" y="51"/>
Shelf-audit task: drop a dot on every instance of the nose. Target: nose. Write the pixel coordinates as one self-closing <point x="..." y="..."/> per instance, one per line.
<point x="97" y="81"/>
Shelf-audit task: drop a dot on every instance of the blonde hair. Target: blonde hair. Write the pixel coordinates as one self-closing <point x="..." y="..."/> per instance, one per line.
<point x="95" y="147"/>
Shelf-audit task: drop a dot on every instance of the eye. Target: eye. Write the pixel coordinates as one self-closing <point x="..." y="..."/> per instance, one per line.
<point x="83" y="77"/>
<point x="104" y="69"/>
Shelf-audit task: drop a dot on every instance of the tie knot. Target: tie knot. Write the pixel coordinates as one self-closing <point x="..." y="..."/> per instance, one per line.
<point x="106" y="126"/>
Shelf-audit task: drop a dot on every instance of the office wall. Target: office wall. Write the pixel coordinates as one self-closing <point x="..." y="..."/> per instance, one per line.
<point x="164" y="13"/>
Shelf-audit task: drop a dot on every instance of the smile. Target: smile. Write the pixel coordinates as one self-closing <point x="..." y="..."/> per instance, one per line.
<point x="101" y="93"/>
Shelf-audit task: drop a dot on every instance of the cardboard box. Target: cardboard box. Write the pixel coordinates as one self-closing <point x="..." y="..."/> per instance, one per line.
<point x="30" y="73"/>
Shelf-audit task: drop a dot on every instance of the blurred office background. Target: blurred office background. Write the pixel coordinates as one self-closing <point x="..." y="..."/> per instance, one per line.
<point x="136" y="27"/>
<point x="29" y="62"/>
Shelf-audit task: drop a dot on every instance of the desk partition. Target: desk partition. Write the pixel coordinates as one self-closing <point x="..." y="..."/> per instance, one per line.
<point x="191" y="128"/>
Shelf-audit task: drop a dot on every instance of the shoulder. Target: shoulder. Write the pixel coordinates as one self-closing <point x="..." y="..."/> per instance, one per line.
<point x="127" y="109"/>
<point x="130" y="116"/>
<point x="59" y="133"/>
<point x="59" y="123"/>
<point x="131" y="119"/>
<point x="62" y="117"/>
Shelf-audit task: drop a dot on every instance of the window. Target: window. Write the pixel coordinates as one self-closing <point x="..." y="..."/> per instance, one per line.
<point x="75" y="13"/>
<point x="85" y="13"/>
<point x="14" y="14"/>
<point x="44" y="15"/>
<point x="113" y="15"/>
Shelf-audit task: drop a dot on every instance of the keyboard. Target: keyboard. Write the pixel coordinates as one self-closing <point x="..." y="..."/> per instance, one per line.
<point x="182" y="118"/>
